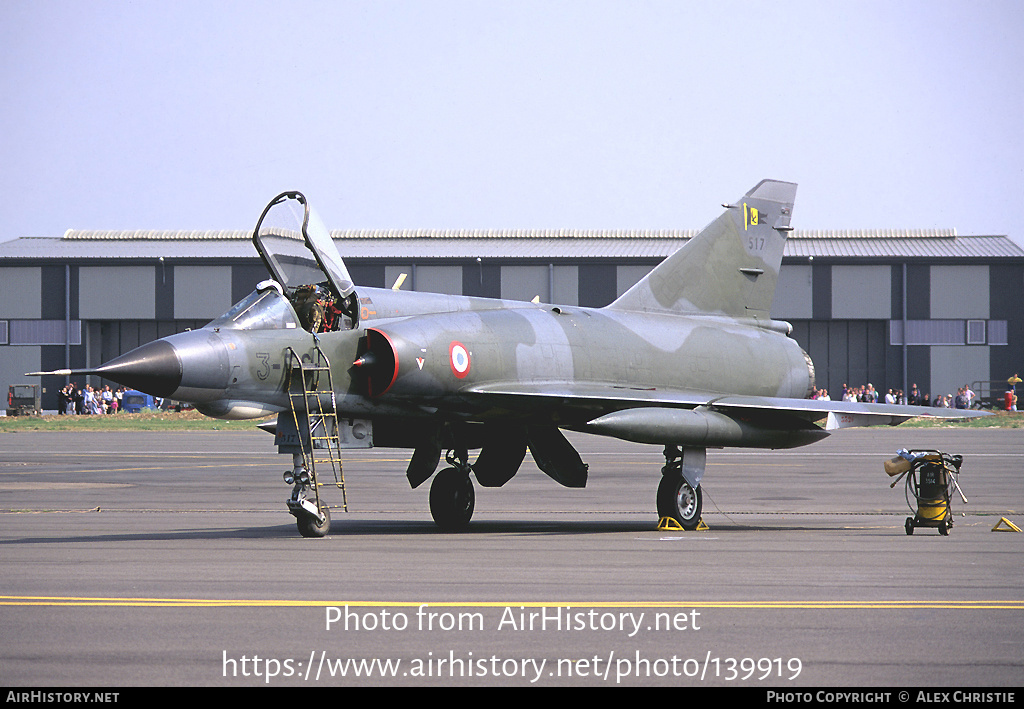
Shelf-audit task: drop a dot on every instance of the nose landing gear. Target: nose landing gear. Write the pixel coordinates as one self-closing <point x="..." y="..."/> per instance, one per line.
<point x="312" y="515"/>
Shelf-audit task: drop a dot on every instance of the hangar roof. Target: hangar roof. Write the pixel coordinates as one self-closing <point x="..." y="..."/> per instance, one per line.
<point x="505" y="244"/>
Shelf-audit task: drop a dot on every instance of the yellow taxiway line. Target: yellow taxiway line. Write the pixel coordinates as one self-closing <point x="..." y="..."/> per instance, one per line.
<point x="306" y="603"/>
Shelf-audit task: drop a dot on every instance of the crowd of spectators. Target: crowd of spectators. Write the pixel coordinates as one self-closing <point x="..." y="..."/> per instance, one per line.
<point x="73" y="400"/>
<point x="866" y="393"/>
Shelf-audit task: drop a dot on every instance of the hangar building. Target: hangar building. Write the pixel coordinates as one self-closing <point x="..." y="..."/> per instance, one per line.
<point x="884" y="306"/>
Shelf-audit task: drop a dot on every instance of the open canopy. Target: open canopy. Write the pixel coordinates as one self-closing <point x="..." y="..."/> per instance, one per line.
<point x="287" y="234"/>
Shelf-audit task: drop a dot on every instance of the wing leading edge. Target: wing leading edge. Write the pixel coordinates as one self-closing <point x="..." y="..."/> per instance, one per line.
<point x="668" y="417"/>
<point x="841" y="414"/>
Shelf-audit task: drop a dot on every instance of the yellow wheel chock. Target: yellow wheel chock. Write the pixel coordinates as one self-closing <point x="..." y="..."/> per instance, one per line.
<point x="670" y="524"/>
<point x="1010" y="526"/>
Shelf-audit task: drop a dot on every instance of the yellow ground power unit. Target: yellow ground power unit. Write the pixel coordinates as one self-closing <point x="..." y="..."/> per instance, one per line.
<point x="931" y="476"/>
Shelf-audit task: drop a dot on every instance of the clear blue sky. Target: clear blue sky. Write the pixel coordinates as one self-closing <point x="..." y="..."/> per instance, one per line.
<point x="491" y="114"/>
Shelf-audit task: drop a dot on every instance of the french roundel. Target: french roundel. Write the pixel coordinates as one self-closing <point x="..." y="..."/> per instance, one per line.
<point x="459" y="357"/>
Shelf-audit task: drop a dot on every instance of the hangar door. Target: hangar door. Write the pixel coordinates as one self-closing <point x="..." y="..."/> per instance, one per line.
<point x="849" y="352"/>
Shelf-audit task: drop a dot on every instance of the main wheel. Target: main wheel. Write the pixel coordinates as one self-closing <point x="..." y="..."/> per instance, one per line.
<point x="451" y="499"/>
<point x="309" y="526"/>
<point x="676" y="499"/>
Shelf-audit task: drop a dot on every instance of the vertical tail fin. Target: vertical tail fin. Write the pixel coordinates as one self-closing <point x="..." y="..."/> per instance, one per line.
<point x="730" y="268"/>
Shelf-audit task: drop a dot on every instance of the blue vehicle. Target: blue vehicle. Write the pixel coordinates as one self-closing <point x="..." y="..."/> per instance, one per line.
<point x="135" y="401"/>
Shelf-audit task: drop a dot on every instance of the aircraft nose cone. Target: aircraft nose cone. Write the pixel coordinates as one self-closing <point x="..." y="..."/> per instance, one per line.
<point x="153" y="368"/>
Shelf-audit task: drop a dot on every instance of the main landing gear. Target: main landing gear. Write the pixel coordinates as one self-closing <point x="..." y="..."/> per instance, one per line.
<point x="677" y="498"/>
<point x="452" y="497"/>
<point x="451" y="493"/>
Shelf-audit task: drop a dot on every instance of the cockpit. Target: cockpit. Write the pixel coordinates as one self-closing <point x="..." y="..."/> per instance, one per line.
<point x="319" y="309"/>
<point x="310" y="287"/>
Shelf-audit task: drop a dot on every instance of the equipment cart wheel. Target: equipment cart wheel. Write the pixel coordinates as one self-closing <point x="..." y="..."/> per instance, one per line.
<point x="310" y="526"/>
<point x="909" y="526"/>
<point x="945" y="525"/>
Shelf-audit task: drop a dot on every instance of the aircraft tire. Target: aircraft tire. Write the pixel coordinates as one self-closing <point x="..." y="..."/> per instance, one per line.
<point x="676" y="499"/>
<point x="310" y="527"/>
<point x="452" y="499"/>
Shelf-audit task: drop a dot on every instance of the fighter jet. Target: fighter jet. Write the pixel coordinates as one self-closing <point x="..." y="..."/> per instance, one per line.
<point x="688" y="359"/>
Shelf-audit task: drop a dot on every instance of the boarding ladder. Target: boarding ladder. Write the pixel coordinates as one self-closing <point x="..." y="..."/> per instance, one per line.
<point x="314" y="410"/>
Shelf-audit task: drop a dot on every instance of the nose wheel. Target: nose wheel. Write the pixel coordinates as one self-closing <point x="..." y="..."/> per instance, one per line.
<point x="311" y="525"/>
<point x="312" y="516"/>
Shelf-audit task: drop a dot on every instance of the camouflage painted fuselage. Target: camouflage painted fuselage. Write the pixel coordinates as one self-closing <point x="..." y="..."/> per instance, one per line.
<point x="577" y="358"/>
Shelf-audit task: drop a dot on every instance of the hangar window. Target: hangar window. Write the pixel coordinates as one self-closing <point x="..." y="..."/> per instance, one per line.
<point x="975" y="332"/>
<point x="42" y="332"/>
<point x="949" y="332"/>
<point x="997" y="334"/>
<point x="927" y="332"/>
